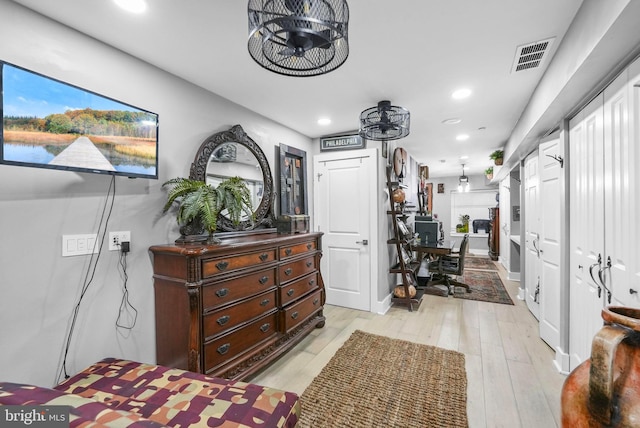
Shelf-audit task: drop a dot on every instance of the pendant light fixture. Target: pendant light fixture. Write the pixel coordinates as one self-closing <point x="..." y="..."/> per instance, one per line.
<point x="384" y="122"/>
<point x="299" y="37"/>
<point x="463" y="182"/>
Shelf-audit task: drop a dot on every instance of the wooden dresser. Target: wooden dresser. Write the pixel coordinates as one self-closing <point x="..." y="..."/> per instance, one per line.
<point x="229" y="309"/>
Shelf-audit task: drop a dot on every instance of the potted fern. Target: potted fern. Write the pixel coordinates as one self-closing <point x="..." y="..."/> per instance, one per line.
<point x="497" y="157"/>
<point x="200" y="204"/>
<point x="489" y="173"/>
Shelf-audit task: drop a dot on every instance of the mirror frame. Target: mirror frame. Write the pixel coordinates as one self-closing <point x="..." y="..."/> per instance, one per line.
<point x="264" y="217"/>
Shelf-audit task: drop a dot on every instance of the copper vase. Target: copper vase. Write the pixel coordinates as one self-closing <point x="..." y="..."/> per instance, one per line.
<point x="604" y="391"/>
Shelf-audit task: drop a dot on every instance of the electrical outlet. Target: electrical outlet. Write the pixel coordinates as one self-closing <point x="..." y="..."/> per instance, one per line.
<point x="115" y="238"/>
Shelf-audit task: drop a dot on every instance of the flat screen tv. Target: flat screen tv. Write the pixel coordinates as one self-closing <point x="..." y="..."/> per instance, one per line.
<point x="47" y="123"/>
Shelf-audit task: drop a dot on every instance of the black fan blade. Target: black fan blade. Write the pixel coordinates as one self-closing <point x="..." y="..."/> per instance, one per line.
<point x="287" y="52"/>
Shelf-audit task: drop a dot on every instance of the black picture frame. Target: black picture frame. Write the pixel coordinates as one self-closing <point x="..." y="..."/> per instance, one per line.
<point x="292" y="180"/>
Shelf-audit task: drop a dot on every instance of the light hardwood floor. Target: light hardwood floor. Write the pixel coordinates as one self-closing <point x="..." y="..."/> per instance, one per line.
<point x="511" y="379"/>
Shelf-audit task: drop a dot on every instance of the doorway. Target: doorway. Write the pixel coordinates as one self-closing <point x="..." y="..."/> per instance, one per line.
<point x="345" y="210"/>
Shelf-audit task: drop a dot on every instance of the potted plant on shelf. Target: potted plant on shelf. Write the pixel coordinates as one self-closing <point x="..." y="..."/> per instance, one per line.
<point x="489" y="173"/>
<point x="497" y="157"/>
<point x="463" y="226"/>
<point x="200" y="204"/>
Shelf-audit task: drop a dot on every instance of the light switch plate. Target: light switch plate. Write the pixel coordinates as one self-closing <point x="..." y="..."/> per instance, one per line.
<point x="79" y="245"/>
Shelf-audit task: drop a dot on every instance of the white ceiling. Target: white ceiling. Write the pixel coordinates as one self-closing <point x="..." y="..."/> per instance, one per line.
<point x="414" y="53"/>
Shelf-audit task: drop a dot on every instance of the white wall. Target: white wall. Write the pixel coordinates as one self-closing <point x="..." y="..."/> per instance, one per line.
<point x="39" y="288"/>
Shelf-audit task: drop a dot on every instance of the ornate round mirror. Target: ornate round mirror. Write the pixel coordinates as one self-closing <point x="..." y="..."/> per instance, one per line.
<point x="233" y="153"/>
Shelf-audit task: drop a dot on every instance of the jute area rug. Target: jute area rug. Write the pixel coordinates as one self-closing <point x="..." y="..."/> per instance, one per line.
<point x="377" y="381"/>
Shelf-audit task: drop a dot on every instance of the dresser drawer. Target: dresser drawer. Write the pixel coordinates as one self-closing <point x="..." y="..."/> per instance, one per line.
<point x="211" y="267"/>
<point x="296" y="269"/>
<point x="294" y="250"/>
<point x="231" y="316"/>
<point x="230" y="345"/>
<point x="298" y="288"/>
<point x="224" y="292"/>
<point x="300" y="311"/>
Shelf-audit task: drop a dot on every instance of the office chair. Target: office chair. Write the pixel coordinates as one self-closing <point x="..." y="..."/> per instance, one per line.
<point x="447" y="265"/>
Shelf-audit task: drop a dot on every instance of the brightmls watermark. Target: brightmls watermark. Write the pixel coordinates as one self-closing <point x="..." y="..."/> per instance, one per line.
<point x="34" y="416"/>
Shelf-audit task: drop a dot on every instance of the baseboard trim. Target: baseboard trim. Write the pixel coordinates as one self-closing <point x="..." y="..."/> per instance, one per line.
<point x="382" y="307"/>
<point x="513" y="276"/>
<point x="562" y="362"/>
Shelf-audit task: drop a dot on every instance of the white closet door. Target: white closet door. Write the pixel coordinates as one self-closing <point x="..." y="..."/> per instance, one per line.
<point x="551" y="198"/>
<point x="532" y="234"/>
<point x="621" y="183"/>
<point x="505" y="220"/>
<point x="586" y="214"/>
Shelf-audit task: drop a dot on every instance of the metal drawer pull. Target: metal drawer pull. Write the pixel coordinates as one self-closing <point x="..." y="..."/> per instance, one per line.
<point x="222" y="265"/>
<point x="288" y="271"/>
<point x="263" y="280"/>
<point x="223" y="320"/>
<point x="265" y="327"/>
<point x="224" y="348"/>
<point x="288" y="251"/>
<point x="309" y="264"/>
<point x="222" y="292"/>
<point x="294" y="315"/>
<point x="265" y="302"/>
<point x="309" y="246"/>
<point x="315" y="301"/>
<point x="290" y="292"/>
<point x="264" y="256"/>
<point x="312" y="282"/>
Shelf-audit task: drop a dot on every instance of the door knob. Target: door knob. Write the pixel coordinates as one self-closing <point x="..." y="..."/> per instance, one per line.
<point x="363" y="242"/>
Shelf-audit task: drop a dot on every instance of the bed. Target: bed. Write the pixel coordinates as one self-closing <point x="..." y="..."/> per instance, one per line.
<point x="116" y="392"/>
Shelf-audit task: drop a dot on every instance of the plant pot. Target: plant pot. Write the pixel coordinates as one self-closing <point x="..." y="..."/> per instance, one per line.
<point x="604" y="391"/>
<point x="489" y="176"/>
<point x="498" y="161"/>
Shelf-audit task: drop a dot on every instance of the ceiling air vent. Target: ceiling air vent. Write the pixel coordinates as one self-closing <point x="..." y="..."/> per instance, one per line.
<point x="531" y="55"/>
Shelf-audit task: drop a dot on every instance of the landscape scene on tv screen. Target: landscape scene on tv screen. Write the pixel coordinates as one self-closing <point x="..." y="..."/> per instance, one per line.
<point x="51" y="124"/>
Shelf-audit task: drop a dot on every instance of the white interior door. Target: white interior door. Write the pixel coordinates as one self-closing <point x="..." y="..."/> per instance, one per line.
<point x="532" y="234"/>
<point x="587" y="228"/>
<point x="505" y="223"/>
<point x="343" y="210"/>
<point x="551" y="196"/>
<point x="621" y="183"/>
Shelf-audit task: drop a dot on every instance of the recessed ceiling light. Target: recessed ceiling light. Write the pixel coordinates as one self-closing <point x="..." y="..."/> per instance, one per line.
<point x="452" y="121"/>
<point x="462" y="137"/>
<point x="133" y="6"/>
<point x="324" y="121"/>
<point x="461" y="93"/>
<point x="465" y="157"/>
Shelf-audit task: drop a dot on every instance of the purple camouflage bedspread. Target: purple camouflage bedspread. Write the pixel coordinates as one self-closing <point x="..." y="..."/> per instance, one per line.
<point x="158" y="395"/>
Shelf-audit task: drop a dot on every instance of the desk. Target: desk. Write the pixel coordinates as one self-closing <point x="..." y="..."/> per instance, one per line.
<point x="433" y="250"/>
